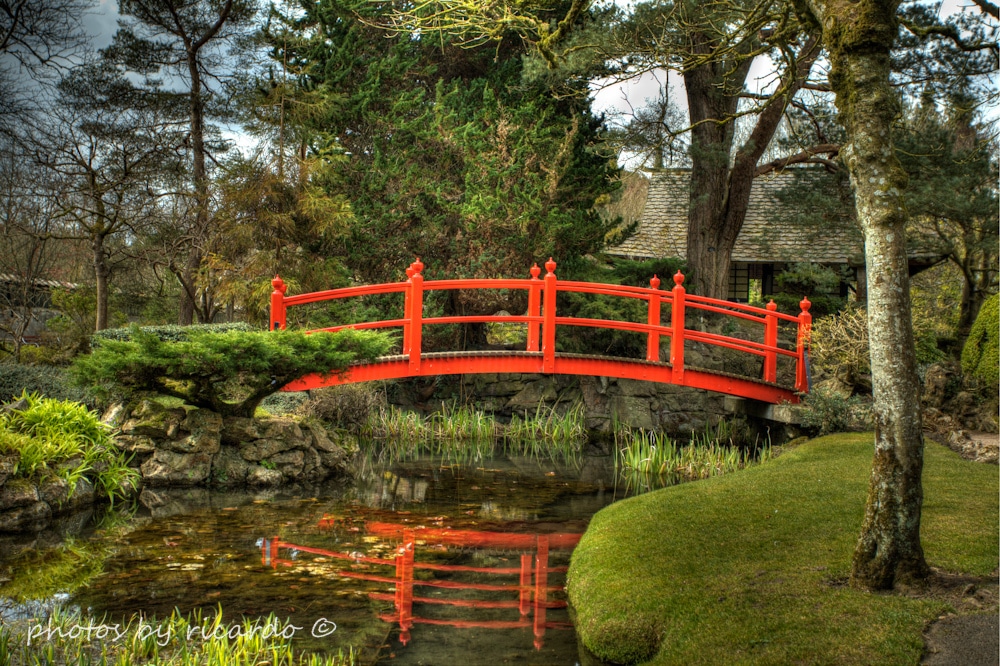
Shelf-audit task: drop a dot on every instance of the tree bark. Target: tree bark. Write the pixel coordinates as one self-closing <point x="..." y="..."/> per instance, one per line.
<point x="101" y="274"/>
<point x="720" y="191"/>
<point x="859" y="36"/>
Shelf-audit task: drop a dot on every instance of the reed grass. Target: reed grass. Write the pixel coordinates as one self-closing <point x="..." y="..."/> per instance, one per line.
<point x="649" y="460"/>
<point x="179" y="640"/>
<point x="460" y="433"/>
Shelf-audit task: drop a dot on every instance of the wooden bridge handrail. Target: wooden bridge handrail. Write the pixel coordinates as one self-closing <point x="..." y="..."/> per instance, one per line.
<point x="542" y="321"/>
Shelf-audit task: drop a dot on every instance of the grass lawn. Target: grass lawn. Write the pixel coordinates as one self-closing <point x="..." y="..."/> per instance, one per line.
<point x="752" y="567"/>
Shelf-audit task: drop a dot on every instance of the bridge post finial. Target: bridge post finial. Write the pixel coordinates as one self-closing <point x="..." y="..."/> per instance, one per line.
<point x="805" y="331"/>
<point x="534" y="307"/>
<point x="549" y="319"/>
<point x="653" y="319"/>
<point x="277" y="318"/>
<point x="418" y="267"/>
<point x="678" y="278"/>
<point x="771" y="343"/>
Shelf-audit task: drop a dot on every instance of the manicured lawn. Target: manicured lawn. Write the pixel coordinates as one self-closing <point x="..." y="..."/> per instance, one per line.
<point x="752" y="567"/>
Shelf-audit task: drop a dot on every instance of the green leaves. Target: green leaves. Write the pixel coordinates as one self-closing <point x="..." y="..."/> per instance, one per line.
<point x="228" y="372"/>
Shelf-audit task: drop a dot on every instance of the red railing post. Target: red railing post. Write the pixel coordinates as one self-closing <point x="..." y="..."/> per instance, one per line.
<point x="278" y="304"/>
<point x="416" y="313"/>
<point x="407" y="301"/>
<point x="805" y="332"/>
<point x="653" y="319"/>
<point x="534" y="305"/>
<point x="549" y="319"/>
<point x="541" y="588"/>
<point x="525" y="593"/>
<point x="677" y="326"/>
<point x="771" y="341"/>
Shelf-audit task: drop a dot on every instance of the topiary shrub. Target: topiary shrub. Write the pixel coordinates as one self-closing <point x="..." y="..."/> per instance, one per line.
<point x="229" y="373"/>
<point x="170" y="333"/>
<point x="980" y="358"/>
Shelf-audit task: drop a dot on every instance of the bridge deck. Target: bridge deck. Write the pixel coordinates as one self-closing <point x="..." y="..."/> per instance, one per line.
<point x="502" y="361"/>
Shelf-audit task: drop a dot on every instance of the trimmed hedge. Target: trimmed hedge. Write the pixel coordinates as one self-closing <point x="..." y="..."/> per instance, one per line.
<point x="171" y="333"/>
<point x="981" y="353"/>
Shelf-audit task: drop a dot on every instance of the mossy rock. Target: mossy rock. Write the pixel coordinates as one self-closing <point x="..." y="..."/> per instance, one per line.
<point x="981" y="354"/>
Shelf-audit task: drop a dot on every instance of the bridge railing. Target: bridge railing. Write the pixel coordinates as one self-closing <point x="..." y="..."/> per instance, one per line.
<point x="542" y="320"/>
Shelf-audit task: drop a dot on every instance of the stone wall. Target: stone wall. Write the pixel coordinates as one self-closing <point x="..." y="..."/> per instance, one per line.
<point x="187" y="446"/>
<point x="673" y="409"/>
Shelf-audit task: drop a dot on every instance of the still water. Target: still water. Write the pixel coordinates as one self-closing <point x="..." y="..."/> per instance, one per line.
<point x="422" y="562"/>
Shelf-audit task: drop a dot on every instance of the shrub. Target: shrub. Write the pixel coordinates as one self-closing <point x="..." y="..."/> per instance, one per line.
<point x="980" y="358"/>
<point x="67" y="439"/>
<point x="171" y="333"/>
<point x="840" y="345"/>
<point x="229" y="373"/>
<point x="827" y="412"/>
<point x="47" y="381"/>
<point x="350" y="406"/>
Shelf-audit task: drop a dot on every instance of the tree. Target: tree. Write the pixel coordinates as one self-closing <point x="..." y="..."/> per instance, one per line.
<point x="859" y="37"/>
<point x="184" y="41"/>
<point x="447" y="153"/>
<point x="109" y="151"/>
<point x="37" y="37"/>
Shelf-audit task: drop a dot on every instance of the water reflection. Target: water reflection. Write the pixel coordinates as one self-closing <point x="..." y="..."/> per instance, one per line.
<point x="531" y="593"/>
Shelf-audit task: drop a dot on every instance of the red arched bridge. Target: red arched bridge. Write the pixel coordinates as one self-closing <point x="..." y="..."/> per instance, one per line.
<point x="540" y="355"/>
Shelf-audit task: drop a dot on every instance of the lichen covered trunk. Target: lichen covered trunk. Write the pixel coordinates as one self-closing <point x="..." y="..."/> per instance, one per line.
<point x="860" y="35"/>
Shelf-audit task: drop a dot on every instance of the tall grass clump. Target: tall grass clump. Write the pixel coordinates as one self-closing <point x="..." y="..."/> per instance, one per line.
<point x="192" y="640"/>
<point x="68" y="440"/>
<point x="463" y="434"/>
<point x="649" y="460"/>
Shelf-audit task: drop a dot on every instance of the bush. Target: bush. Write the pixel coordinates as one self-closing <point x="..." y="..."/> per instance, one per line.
<point x="349" y="406"/>
<point x="840" y="345"/>
<point x="980" y="358"/>
<point x="47" y="381"/>
<point x="826" y="412"/>
<point x="171" y="333"/>
<point x="68" y="440"/>
<point x="229" y="373"/>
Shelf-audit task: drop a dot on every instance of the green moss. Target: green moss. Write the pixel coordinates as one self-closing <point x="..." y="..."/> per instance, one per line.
<point x="980" y="357"/>
<point x="751" y="567"/>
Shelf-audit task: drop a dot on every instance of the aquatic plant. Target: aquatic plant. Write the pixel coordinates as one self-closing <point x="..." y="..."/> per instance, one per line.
<point x="461" y="433"/>
<point x="179" y="640"/>
<point x="649" y="460"/>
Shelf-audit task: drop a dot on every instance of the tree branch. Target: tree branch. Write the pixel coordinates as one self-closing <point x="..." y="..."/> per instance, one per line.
<point x="806" y="156"/>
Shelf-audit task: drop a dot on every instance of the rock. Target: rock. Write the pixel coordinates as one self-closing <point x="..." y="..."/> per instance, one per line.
<point x="261" y="476"/>
<point x="262" y="449"/>
<point x="632" y="411"/>
<point x="152" y="419"/>
<point x="935" y="384"/>
<point x="169" y="467"/>
<point x="114" y="415"/>
<point x="239" y="429"/>
<point x="33" y="517"/>
<point x="202" y="441"/>
<point x="289" y="463"/>
<point x="18" y="405"/>
<point x="285" y="429"/>
<point x="229" y="467"/>
<point x="534" y="394"/>
<point x="312" y="468"/>
<point x="137" y="445"/>
<point x="17" y="493"/>
<point x="631" y="387"/>
<point x="54" y="491"/>
<point x="7" y="464"/>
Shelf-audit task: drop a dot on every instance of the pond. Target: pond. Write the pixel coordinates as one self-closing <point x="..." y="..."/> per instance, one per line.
<point x="421" y="562"/>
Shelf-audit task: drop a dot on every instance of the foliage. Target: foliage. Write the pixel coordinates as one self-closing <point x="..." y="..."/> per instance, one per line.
<point x="65" y="438"/>
<point x="826" y="411"/>
<point x="48" y="381"/>
<point x="42" y="573"/>
<point x="980" y="355"/>
<point x="228" y="372"/>
<point x="196" y="639"/>
<point x="351" y="406"/>
<point x="443" y="152"/>
<point x="840" y="345"/>
<point x="167" y="333"/>
<point x="762" y="555"/>
<point x="821" y="284"/>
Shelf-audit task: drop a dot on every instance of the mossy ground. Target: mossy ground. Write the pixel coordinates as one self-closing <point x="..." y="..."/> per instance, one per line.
<point x="752" y="567"/>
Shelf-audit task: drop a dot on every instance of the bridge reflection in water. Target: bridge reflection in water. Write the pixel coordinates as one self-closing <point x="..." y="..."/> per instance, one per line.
<point x="530" y="590"/>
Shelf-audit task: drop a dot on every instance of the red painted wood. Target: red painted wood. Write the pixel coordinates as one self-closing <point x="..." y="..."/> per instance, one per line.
<point x="542" y="323"/>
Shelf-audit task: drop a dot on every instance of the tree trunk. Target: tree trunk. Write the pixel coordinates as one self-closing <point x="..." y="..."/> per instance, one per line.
<point x="101" y="273"/>
<point x="720" y="190"/>
<point x="859" y="35"/>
